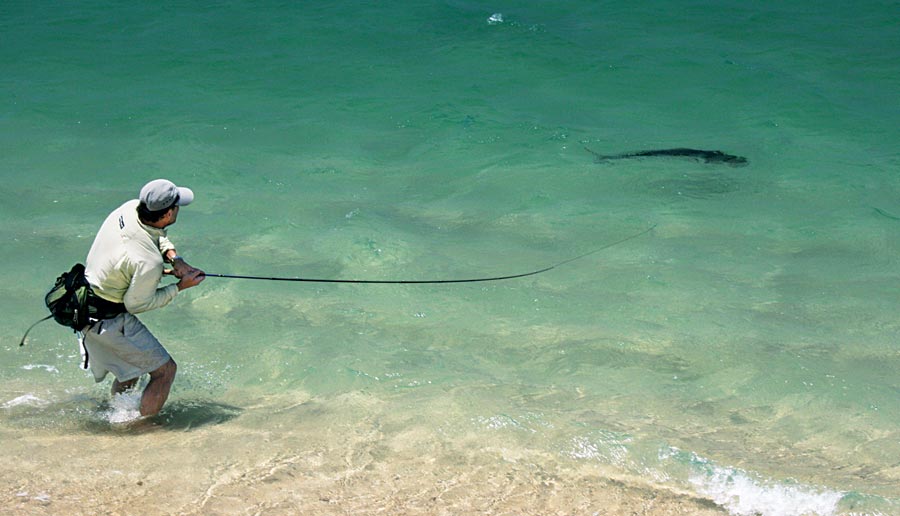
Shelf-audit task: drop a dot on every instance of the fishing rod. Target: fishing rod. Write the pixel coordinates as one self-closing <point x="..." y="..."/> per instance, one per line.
<point x="408" y="282"/>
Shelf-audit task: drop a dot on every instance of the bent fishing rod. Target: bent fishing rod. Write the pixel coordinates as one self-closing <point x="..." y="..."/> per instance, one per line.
<point x="405" y="282"/>
<point x="408" y="282"/>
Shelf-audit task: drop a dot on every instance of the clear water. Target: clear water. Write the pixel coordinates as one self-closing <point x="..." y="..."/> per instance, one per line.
<point x="740" y="358"/>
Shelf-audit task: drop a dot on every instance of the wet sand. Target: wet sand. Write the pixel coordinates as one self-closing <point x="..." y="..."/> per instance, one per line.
<point x="235" y="464"/>
<point x="321" y="481"/>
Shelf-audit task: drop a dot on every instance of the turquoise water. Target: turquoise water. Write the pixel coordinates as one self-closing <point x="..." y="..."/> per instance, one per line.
<point x="744" y="351"/>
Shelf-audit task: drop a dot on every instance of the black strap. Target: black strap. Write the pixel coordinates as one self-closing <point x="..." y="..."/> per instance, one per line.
<point x="104" y="309"/>
<point x="22" y="342"/>
<point x="87" y="354"/>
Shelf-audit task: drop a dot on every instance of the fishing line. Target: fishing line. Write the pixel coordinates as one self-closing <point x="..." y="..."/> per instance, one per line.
<point x="408" y="282"/>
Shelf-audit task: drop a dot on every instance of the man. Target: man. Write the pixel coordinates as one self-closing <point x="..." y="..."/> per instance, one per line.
<point x="125" y="265"/>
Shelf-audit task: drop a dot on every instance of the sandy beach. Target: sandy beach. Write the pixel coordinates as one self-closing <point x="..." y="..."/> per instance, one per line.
<point x="365" y="468"/>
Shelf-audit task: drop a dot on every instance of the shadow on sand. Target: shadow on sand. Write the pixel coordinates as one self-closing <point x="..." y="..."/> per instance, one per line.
<point x="95" y="415"/>
<point x="180" y="415"/>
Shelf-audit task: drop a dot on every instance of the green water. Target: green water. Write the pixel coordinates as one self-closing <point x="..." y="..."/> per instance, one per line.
<point x="744" y="350"/>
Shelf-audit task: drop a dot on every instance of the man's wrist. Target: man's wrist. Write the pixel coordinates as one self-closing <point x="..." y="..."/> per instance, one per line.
<point x="176" y="257"/>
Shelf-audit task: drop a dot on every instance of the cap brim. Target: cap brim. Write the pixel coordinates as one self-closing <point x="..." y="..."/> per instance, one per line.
<point x="185" y="196"/>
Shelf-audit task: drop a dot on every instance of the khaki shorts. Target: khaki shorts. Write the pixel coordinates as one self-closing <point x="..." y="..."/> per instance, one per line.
<point x="124" y="347"/>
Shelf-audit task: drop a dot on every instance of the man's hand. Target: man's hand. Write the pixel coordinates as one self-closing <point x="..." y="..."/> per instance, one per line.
<point x="188" y="276"/>
<point x="180" y="268"/>
<point x="190" y="279"/>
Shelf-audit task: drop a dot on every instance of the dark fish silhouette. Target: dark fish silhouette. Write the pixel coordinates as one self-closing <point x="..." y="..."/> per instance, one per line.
<point x="886" y="214"/>
<point x="705" y="156"/>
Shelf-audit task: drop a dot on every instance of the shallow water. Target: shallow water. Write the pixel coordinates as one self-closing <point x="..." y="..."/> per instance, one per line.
<point x="739" y="358"/>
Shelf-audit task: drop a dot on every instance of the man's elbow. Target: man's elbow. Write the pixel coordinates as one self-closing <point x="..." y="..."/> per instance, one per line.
<point x="138" y="305"/>
<point x="136" y="308"/>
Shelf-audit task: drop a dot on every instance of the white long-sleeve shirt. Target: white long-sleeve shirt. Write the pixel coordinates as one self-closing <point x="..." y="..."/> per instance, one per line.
<point x="125" y="263"/>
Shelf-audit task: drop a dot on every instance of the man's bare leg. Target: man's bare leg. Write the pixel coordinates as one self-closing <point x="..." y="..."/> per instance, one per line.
<point x="157" y="391"/>
<point x="120" y="387"/>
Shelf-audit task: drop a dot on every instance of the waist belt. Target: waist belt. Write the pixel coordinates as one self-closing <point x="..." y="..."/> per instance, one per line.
<point x="102" y="309"/>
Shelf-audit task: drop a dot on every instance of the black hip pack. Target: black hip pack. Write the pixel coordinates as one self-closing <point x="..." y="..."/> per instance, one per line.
<point x="72" y="302"/>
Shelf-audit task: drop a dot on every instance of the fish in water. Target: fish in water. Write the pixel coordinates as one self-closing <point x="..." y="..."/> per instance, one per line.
<point x="707" y="156"/>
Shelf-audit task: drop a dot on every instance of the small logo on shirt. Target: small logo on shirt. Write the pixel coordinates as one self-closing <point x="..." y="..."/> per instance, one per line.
<point x="121" y="222"/>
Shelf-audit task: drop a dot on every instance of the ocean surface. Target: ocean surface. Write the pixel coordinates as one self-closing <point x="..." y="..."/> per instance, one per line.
<point x="741" y="357"/>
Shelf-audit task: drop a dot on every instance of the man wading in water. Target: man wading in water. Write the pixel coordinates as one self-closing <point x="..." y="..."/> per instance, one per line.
<point x="125" y="265"/>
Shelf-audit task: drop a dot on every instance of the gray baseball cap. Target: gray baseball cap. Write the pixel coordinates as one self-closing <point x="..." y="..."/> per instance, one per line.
<point x="160" y="194"/>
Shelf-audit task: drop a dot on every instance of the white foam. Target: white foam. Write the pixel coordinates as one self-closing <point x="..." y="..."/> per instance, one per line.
<point x="741" y="495"/>
<point x="48" y="368"/>
<point x="739" y="492"/>
<point x="124" y="407"/>
<point x="498" y="422"/>
<point x="604" y="447"/>
<point x="25" y="399"/>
